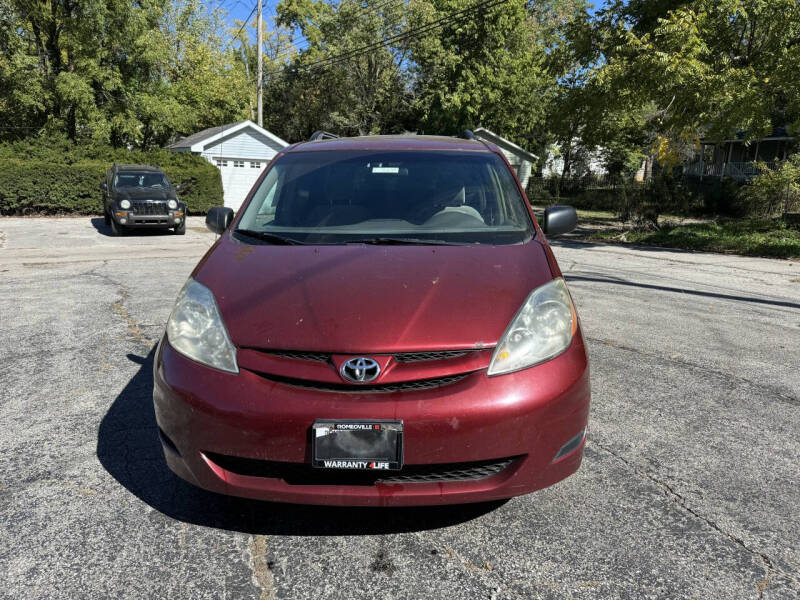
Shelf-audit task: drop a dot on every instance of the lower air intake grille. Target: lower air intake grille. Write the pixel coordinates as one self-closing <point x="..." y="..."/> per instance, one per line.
<point x="303" y="474"/>
<point x="386" y="388"/>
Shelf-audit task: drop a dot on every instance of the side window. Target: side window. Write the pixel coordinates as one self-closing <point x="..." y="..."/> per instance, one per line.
<point x="238" y="163"/>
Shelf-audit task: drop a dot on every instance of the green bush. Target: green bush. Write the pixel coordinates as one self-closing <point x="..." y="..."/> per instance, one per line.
<point x="36" y="187"/>
<point x="61" y="178"/>
<point x="774" y="191"/>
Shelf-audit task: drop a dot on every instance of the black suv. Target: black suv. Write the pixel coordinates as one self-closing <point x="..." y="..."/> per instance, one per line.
<point x="139" y="196"/>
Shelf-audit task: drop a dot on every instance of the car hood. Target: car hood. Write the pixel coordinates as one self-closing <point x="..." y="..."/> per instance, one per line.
<point x="370" y="299"/>
<point x="133" y="193"/>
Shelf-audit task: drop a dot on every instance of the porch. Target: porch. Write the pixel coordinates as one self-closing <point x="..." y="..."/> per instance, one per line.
<point x="739" y="159"/>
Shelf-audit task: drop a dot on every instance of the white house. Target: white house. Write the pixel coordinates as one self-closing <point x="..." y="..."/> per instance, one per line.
<point x="591" y="162"/>
<point x="240" y="151"/>
<point x="519" y="158"/>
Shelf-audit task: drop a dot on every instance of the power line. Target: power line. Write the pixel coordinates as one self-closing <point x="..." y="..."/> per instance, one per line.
<point x="380" y="5"/>
<point x="450" y="18"/>
<point x="247" y="20"/>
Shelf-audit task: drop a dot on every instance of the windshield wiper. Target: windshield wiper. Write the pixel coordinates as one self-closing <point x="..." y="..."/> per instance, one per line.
<point x="391" y="241"/>
<point x="268" y="237"/>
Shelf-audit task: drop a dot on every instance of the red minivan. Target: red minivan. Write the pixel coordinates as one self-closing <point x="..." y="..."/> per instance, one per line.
<point x="383" y="323"/>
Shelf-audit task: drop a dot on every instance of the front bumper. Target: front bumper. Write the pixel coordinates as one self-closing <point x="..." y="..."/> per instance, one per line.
<point x="133" y="221"/>
<point x="529" y="415"/>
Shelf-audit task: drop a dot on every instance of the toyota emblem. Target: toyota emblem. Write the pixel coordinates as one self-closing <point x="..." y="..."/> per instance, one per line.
<point x="360" y="370"/>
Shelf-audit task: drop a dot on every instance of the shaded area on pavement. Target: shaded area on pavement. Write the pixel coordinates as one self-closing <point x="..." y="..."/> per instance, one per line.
<point x="664" y="288"/>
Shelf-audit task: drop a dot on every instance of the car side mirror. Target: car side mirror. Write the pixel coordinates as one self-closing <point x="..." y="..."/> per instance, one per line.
<point x="179" y="188"/>
<point x="219" y="219"/>
<point x="559" y="220"/>
<point x="103" y="187"/>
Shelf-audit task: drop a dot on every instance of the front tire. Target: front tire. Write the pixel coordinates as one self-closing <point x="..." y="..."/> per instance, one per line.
<point x="106" y="218"/>
<point x="181" y="229"/>
<point x="116" y="229"/>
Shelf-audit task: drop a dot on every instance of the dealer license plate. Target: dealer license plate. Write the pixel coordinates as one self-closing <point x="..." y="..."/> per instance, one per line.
<point x="357" y="444"/>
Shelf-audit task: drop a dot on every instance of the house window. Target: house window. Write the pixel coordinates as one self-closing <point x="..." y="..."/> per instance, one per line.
<point x="238" y="163"/>
<point x="255" y="165"/>
<point x="221" y="162"/>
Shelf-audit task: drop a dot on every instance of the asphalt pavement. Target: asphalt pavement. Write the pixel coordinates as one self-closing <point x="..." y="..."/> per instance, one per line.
<point x="690" y="487"/>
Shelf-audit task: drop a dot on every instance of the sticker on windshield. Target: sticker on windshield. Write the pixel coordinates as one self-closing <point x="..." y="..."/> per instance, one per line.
<point x="393" y="170"/>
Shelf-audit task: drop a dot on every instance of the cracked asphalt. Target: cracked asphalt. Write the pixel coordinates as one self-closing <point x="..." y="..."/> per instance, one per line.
<point x="690" y="487"/>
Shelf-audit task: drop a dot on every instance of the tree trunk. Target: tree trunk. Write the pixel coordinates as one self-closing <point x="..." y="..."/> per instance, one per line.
<point x="648" y="168"/>
<point x="72" y="129"/>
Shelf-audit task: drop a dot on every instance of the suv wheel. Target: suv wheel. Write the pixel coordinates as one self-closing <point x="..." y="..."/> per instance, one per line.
<point x="181" y="229"/>
<point x="106" y="217"/>
<point x="116" y="230"/>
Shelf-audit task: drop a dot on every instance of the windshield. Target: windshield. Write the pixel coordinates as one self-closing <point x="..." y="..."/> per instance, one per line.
<point x="147" y="179"/>
<point x="394" y="197"/>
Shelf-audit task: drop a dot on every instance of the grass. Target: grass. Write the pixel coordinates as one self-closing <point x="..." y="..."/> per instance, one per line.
<point x="748" y="237"/>
<point x="596" y="215"/>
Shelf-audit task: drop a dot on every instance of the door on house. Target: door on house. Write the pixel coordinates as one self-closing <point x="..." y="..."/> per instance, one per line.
<point x="238" y="176"/>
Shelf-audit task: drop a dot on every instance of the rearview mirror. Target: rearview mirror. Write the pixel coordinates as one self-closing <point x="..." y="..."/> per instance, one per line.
<point x="103" y="187"/>
<point x="559" y="220"/>
<point x="219" y="218"/>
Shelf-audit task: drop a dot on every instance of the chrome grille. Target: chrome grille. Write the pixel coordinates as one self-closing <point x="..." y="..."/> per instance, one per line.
<point x="149" y="207"/>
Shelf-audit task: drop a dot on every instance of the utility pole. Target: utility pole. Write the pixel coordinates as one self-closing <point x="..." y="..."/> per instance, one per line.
<point x="260" y="82"/>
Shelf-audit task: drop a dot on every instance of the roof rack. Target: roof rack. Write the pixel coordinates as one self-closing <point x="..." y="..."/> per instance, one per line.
<point x="322" y="135"/>
<point x="467" y="134"/>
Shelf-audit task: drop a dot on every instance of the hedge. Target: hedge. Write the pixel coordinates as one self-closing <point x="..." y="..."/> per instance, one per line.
<point x="65" y="179"/>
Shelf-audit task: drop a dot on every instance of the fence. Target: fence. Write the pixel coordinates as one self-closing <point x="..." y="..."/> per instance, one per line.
<point x="741" y="171"/>
<point x="591" y="191"/>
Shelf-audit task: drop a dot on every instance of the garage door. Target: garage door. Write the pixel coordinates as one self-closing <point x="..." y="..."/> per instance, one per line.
<point x="238" y="176"/>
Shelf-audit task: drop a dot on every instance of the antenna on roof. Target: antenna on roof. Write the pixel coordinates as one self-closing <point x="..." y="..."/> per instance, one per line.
<point x="322" y="135"/>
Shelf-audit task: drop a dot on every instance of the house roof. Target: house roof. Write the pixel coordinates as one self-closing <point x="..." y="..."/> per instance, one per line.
<point x="779" y="132"/>
<point x="482" y="132"/>
<point x="198" y="141"/>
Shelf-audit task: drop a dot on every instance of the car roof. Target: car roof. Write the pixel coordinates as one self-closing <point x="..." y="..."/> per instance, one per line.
<point x="393" y="142"/>
<point x="137" y="168"/>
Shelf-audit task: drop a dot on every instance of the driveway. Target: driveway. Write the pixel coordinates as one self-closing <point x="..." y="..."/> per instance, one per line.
<point x="690" y="486"/>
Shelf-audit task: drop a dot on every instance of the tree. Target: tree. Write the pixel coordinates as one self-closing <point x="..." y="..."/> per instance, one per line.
<point x="112" y="70"/>
<point x="485" y="66"/>
<point x="713" y="66"/>
<point x="333" y="82"/>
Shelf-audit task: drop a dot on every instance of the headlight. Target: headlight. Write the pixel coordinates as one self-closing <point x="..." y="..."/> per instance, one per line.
<point x="542" y="329"/>
<point x="124" y="203"/>
<point x="172" y="204"/>
<point x="195" y="329"/>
